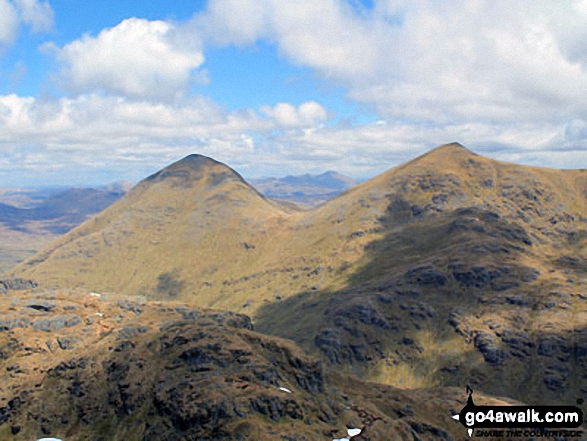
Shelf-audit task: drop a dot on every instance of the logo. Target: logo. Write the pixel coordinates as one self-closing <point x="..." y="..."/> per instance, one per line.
<point x="542" y="420"/>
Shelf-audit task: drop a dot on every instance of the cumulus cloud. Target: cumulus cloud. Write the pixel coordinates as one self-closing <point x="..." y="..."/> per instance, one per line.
<point x="325" y="35"/>
<point x="288" y="116"/>
<point x="137" y="58"/>
<point x="92" y="122"/>
<point x="94" y="132"/>
<point x="8" y="23"/>
<point x="507" y="79"/>
<point x="426" y="60"/>
<point x="38" y="15"/>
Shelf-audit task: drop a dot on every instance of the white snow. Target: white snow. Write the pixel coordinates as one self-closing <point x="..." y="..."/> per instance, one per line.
<point x="285" y="389"/>
<point x="353" y="432"/>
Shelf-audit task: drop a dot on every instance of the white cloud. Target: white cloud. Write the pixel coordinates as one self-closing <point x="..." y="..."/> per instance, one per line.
<point x="93" y="134"/>
<point x="430" y="61"/>
<point x="94" y="122"/>
<point x="507" y="79"/>
<point x="8" y="23"/>
<point x="288" y="116"/>
<point x="312" y="111"/>
<point x="137" y="58"/>
<point x="232" y="21"/>
<point x="37" y="14"/>
<point x="324" y="35"/>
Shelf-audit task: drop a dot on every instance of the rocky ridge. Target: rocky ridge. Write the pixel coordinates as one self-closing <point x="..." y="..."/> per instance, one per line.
<point x="81" y="365"/>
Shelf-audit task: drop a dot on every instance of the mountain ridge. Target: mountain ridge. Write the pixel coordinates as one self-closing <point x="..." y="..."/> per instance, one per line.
<point x="445" y="269"/>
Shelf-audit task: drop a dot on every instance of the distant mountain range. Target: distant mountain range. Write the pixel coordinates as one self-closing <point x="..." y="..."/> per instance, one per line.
<point x="308" y="190"/>
<point x="448" y="270"/>
<point x="59" y="210"/>
<point x="31" y="218"/>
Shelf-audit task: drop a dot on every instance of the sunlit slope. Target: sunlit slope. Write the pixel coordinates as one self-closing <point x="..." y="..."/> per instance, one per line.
<point x="190" y="220"/>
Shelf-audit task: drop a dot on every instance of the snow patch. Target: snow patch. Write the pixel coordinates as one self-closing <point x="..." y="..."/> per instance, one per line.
<point x="353" y="432"/>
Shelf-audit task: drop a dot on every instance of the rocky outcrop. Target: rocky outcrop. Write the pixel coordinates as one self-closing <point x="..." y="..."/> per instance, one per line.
<point x="173" y="372"/>
<point x="16" y="284"/>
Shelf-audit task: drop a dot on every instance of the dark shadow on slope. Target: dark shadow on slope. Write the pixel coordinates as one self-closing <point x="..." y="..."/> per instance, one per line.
<point x="444" y="300"/>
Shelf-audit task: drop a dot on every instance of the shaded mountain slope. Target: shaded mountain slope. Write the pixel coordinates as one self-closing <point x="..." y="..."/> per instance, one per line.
<point x="451" y="269"/>
<point x="83" y="366"/>
<point x="473" y="271"/>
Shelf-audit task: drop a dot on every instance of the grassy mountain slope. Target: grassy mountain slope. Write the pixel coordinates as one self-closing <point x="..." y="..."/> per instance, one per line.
<point x="447" y="270"/>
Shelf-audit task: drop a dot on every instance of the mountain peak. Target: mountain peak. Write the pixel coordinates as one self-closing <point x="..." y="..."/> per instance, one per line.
<point x="195" y="167"/>
<point x="451" y="145"/>
<point x="451" y="148"/>
<point x="196" y="159"/>
<point x="446" y="155"/>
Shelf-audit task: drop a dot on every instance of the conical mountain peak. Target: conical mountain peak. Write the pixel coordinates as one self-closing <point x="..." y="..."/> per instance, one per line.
<point x="196" y="167"/>
<point x="446" y="157"/>
<point x="447" y="151"/>
<point x="452" y="146"/>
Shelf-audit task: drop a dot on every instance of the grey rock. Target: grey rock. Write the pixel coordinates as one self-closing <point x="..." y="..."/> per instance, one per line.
<point x="132" y="305"/>
<point x="489" y="346"/>
<point x="426" y="275"/>
<point x="11" y="323"/>
<point x="67" y="343"/>
<point x="57" y="322"/>
<point x="16" y="284"/>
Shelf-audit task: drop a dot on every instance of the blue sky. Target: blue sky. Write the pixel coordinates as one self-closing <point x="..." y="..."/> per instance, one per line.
<point x="91" y="95"/>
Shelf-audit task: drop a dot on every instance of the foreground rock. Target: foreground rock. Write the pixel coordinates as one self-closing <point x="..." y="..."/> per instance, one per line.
<point x="79" y="365"/>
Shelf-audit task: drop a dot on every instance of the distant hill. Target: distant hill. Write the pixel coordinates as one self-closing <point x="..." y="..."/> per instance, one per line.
<point x="448" y="270"/>
<point x="307" y="190"/>
<point x="31" y="218"/>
